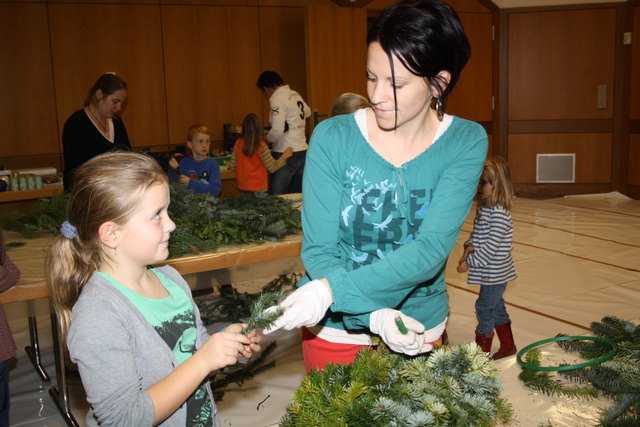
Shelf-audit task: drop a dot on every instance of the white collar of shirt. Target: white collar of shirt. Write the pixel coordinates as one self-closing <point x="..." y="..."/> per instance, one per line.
<point x="361" y="120"/>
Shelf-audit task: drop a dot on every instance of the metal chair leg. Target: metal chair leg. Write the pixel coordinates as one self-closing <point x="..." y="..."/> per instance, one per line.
<point x="33" y="350"/>
<point x="60" y="392"/>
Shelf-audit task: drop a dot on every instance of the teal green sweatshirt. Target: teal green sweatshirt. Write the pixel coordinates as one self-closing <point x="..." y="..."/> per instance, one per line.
<point x="381" y="234"/>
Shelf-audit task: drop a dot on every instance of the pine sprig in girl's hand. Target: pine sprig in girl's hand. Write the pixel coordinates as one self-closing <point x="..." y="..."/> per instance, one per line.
<point x="260" y="318"/>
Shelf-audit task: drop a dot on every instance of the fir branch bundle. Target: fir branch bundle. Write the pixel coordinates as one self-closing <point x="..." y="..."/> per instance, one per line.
<point x="452" y="386"/>
<point x="42" y="217"/>
<point x="542" y="381"/>
<point x="202" y="221"/>
<point x="617" y="378"/>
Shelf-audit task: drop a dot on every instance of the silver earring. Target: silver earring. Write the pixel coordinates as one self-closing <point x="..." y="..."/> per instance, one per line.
<point x="115" y="251"/>
<point x="439" y="109"/>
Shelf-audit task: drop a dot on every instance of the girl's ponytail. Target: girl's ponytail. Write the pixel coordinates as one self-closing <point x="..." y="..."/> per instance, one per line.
<point x="66" y="271"/>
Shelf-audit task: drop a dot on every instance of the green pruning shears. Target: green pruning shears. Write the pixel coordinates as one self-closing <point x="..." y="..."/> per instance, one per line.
<point x="401" y="327"/>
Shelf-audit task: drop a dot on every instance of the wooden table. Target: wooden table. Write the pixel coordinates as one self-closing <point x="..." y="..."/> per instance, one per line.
<point x="30" y="259"/>
<point x="32" y="285"/>
<point x="17" y="196"/>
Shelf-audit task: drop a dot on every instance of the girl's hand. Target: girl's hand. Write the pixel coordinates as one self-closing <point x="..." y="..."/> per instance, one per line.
<point x="173" y="163"/>
<point x="223" y="349"/>
<point x="467" y="251"/>
<point x="254" y="338"/>
<point x="287" y="153"/>
<point x="463" y="267"/>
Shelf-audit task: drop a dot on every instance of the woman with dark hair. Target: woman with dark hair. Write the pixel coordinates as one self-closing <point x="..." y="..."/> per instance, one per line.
<point x="96" y="128"/>
<point x="385" y="193"/>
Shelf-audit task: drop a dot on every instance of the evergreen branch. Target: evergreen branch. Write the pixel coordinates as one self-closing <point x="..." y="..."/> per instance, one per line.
<point x="387" y="389"/>
<point x="617" y="378"/>
<point x="15" y="244"/>
<point x="43" y="217"/>
<point x="261" y="318"/>
<point x="541" y="381"/>
<point x="202" y="222"/>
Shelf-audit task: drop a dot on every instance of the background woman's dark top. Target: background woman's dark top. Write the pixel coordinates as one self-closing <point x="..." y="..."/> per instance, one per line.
<point x="81" y="141"/>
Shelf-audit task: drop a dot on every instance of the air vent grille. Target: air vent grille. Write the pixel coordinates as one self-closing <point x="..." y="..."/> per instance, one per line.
<point x="556" y="168"/>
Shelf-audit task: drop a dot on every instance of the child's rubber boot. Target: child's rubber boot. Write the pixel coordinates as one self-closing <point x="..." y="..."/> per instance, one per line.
<point x="484" y="341"/>
<point x="507" y="346"/>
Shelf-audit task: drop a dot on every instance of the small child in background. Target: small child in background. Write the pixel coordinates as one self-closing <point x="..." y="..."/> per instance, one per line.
<point x="347" y="103"/>
<point x="487" y="256"/>
<point x="252" y="159"/>
<point x="9" y="276"/>
<point x="198" y="171"/>
<point x="143" y="353"/>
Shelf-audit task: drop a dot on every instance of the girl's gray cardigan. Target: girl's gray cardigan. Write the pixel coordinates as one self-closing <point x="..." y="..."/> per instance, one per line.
<point x="119" y="355"/>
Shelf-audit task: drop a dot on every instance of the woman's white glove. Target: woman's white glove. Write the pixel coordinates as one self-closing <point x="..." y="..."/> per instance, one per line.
<point x="383" y="322"/>
<point x="306" y="306"/>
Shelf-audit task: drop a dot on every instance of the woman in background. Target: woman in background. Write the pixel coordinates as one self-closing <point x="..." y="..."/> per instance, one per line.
<point x="252" y="159"/>
<point x="96" y="128"/>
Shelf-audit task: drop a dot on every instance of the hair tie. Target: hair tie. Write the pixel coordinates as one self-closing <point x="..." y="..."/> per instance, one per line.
<point x="68" y="230"/>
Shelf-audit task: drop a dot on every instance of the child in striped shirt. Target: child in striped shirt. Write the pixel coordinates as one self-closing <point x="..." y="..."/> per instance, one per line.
<point x="487" y="256"/>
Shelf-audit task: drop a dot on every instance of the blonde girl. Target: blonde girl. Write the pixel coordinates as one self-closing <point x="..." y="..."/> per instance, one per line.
<point x="347" y="103"/>
<point x="142" y="351"/>
<point x="487" y="256"/>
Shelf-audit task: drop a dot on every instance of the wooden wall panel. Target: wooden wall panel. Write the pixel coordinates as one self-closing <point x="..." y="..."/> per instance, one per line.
<point x="209" y="2"/>
<point x="634" y="160"/>
<point x="282" y="50"/>
<point x="27" y="110"/>
<point x="635" y="67"/>
<point x="88" y="40"/>
<point x="593" y="155"/>
<point x="212" y="63"/>
<point x="293" y="3"/>
<point x="459" y="5"/>
<point x="471" y="98"/>
<point x="490" y="152"/>
<point x="336" y="54"/>
<point x="556" y="61"/>
<point x="154" y="2"/>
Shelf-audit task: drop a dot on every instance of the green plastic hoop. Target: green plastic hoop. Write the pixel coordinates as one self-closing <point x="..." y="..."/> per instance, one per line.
<point x="613" y="352"/>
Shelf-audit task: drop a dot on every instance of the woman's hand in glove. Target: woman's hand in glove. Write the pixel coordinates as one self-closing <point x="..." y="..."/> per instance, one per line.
<point x="408" y="341"/>
<point x="306" y="306"/>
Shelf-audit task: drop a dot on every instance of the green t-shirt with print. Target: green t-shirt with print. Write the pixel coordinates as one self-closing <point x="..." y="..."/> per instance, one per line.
<point x="174" y="320"/>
